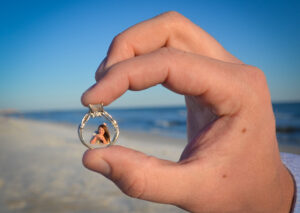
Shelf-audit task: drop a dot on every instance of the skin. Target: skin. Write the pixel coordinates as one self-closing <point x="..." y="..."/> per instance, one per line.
<point x="231" y="162"/>
<point x="99" y="137"/>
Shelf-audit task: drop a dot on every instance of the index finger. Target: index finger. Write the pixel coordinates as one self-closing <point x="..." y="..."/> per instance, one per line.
<point x="181" y="72"/>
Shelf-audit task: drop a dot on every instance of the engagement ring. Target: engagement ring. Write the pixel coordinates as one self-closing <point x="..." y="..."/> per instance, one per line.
<point x="102" y="137"/>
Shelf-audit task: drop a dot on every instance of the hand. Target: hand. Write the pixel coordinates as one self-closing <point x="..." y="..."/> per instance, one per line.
<point x="231" y="162"/>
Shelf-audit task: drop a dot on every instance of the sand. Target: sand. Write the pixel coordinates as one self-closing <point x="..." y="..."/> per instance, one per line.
<point x="41" y="170"/>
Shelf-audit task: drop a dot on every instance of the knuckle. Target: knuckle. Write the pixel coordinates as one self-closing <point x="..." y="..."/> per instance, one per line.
<point x="258" y="84"/>
<point x="258" y="75"/>
<point x="173" y="19"/>
<point x="172" y="14"/>
<point x="259" y="79"/>
<point x="119" y="39"/>
<point x="133" y="184"/>
<point x="135" y="181"/>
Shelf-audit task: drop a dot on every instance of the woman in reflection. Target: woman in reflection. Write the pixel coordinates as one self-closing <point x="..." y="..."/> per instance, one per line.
<point x="102" y="135"/>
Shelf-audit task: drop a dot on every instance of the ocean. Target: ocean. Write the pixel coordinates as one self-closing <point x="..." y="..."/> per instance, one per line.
<point x="170" y="121"/>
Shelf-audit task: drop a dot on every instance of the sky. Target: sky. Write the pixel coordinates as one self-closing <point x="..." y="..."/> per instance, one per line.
<point x="49" y="50"/>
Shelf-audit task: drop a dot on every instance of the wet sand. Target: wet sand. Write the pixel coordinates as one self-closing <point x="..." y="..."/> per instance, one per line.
<point x="41" y="170"/>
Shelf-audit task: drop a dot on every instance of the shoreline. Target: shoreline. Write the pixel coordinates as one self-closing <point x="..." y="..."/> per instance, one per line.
<point x="134" y="135"/>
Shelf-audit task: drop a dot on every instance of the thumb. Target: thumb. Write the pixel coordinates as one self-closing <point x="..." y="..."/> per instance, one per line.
<point x="139" y="175"/>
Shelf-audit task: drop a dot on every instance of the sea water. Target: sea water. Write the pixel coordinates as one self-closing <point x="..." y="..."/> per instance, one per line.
<point x="171" y="121"/>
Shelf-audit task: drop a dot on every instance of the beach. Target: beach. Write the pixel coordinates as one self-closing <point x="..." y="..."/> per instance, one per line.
<point x="41" y="169"/>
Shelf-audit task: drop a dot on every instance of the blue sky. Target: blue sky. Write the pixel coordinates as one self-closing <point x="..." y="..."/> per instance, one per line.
<point x="49" y="50"/>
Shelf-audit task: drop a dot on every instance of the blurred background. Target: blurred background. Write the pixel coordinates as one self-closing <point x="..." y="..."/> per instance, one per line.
<point x="49" y="52"/>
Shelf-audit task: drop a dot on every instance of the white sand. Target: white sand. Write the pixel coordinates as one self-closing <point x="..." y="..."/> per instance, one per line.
<point x="41" y="170"/>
